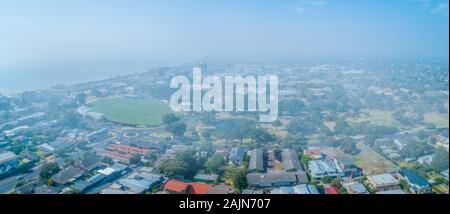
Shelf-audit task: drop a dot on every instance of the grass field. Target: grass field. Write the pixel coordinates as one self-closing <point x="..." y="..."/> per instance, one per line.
<point x="378" y="117"/>
<point x="439" y="120"/>
<point x="132" y="111"/>
<point x="372" y="162"/>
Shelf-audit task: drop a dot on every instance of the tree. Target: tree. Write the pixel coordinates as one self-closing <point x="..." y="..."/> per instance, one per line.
<point x="416" y="149"/>
<point x="174" y="168"/>
<point x="108" y="160"/>
<point x="81" y="98"/>
<point x="440" y="161"/>
<point x="136" y="159"/>
<point x="170" y="118"/>
<point x="291" y="107"/>
<point x="215" y="164"/>
<point x="185" y="164"/>
<point x="326" y="180"/>
<point x="305" y="160"/>
<point x="176" y="129"/>
<point x="297" y="126"/>
<point x="48" y="170"/>
<point x="349" y="147"/>
<point x="262" y="136"/>
<point x="71" y="120"/>
<point x="277" y="154"/>
<point x="240" y="179"/>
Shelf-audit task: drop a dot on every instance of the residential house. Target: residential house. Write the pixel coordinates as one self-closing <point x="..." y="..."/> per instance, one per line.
<point x="290" y="160"/>
<point x="275" y="179"/>
<point x="322" y="168"/>
<point x="8" y="161"/>
<point x="417" y="184"/>
<point x="256" y="163"/>
<point x="383" y="182"/>
<point x="179" y="187"/>
<point x="67" y="175"/>
<point x="347" y="168"/>
<point x="357" y="188"/>
<point x="237" y="156"/>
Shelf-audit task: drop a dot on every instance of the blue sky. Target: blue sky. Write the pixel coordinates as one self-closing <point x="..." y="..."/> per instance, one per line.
<point x="84" y="30"/>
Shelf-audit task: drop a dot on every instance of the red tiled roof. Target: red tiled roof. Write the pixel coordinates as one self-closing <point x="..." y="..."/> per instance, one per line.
<point x="200" y="188"/>
<point x="312" y="152"/>
<point x="332" y="190"/>
<point x="176" y="186"/>
<point x="185" y="187"/>
<point x="128" y="149"/>
<point x="116" y="154"/>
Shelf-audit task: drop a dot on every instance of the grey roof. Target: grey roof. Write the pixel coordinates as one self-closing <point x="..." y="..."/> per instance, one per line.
<point x="205" y="177"/>
<point x="305" y="189"/>
<point x="269" y="179"/>
<point x="392" y="192"/>
<point x="96" y="178"/>
<point x="252" y="192"/>
<point x="290" y="160"/>
<point x="80" y="186"/>
<point x="322" y="168"/>
<point x="237" y="153"/>
<point x="384" y="179"/>
<point x="445" y="173"/>
<point x="256" y="160"/>
<point x="90" y="162"/>
<point x="134" y="185"/>
<point x="358" y="188"/>
<point x="66" y="175"/>
<point x="283" y="190"/>
<point x="7" y="156"/>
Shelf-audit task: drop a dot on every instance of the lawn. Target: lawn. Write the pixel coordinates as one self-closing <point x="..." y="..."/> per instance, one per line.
<point x="372" y="162"/>
<point x="438" y="119"/>
<point x="132" y="111"/>
<point x="378" y="117"/>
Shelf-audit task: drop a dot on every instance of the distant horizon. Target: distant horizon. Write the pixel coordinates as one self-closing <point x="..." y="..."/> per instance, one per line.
<point x="91" y="71"/>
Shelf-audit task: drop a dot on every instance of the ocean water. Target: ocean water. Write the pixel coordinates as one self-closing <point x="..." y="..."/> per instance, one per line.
<point x="18" y="78"/>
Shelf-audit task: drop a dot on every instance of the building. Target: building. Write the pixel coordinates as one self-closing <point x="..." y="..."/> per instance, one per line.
<point x="332" y="190"/>
<point x="122" y="153"/>
<point x="299" y="189"/>
<point x="205" y="178"/>
<point x="256" y="163"/>
<point x="283" y="191"/>
<point x="357" y="188"/>
<point x="425" y="160"/>
<point x="445" y="173"/>
<point x="347" y="168"/>
<point x="179" y="187"/>
<point x="383" y="182"/>
<point x="136" y="183"/>
<point x="313" y="153"/>
<point x="275" y="179"/>
<point x="67" y="175"/>
<point x="417" y="184"/>
<point x="8" y="161"/>
<point x="237" y="156"/>
<point x="290" y="161"/>
<point x="305" y="189"/>
<point x="322" y="168"/>
<point x="89" y="163"/>
<point x="99" y="135"/>
<point x="221" y="190"/>
<point x="391" y="192"/>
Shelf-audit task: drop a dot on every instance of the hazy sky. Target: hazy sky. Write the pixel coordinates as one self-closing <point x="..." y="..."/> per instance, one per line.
<point x="85" y="30"/>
